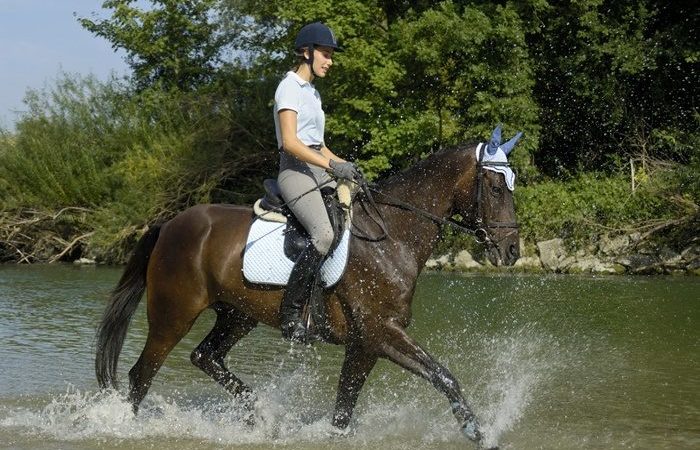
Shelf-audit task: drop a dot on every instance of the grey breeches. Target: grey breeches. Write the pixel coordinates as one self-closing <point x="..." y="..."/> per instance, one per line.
<point x="297" y="178"/>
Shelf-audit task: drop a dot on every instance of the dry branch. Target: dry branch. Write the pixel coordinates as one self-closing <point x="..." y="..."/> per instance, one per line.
<point x="70" y="246"/>
<point x="30" y="235"/>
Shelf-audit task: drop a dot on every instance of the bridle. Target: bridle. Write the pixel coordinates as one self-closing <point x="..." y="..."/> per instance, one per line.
<point x="480" y="231"/>
<point x="484" y="225"/>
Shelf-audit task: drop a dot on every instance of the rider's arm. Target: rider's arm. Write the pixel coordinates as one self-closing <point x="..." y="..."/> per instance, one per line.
<point x="293" y="145"/>
<point x="325" y="151"/>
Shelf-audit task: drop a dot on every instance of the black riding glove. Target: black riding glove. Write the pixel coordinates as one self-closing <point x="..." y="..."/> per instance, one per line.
<point x="344" y="170"/>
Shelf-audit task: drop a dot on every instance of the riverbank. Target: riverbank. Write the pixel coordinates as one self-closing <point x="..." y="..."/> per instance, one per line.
<point x="67" y="237"/>
<point x="622" y="255"/>
<point x="627" y="254"/>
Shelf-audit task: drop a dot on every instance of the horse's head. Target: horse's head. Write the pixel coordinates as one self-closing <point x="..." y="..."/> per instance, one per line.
<point x="484" y="198"/>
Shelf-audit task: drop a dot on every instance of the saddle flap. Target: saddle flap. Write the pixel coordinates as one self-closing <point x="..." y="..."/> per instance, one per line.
<point x="264" y="261"/>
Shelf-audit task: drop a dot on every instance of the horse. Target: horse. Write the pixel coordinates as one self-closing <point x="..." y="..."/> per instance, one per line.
<point x="194" y="262"/>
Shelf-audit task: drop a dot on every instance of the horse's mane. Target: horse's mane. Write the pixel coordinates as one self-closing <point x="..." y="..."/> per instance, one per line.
<point x="438" y="160"/>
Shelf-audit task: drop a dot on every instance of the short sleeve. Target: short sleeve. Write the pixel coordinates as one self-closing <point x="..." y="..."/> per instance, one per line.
<point x="288" y="95"/>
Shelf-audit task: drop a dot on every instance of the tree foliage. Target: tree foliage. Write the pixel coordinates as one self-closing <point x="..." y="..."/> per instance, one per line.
<point x="174" y="43"/>
<point x="412" y="78"/>
<point x="615" y="79"/>
<point x="593" y="83"/>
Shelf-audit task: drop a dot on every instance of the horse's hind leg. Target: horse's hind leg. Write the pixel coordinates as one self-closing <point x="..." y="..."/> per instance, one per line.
<point x="231" y="325"/>
<point x="400" y="348"/>
<point x="163" y="335"/>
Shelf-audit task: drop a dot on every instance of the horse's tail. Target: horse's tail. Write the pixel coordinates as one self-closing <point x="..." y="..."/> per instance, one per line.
<point x="122" y="304"/>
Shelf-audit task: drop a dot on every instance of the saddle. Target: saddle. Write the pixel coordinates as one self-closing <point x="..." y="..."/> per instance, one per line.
<point x="271" y="207"/>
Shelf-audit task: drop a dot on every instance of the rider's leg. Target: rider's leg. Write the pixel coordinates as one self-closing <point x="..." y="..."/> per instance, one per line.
<point x="302" y="281"/>
<point x="310" y="211"/>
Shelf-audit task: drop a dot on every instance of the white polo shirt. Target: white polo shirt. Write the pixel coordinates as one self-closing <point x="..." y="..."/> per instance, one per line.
<point x="299" y="95"/>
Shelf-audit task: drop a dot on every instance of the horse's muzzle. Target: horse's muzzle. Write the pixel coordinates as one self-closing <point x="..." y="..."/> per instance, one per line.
<point x="504" y="253"/>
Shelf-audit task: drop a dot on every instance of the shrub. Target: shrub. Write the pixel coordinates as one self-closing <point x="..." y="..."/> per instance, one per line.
<point x="591" y="203"/>
<point x="130" y="159"/>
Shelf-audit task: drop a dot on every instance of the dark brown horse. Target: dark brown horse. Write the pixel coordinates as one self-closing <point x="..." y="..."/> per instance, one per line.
<point x="194" y="262"/>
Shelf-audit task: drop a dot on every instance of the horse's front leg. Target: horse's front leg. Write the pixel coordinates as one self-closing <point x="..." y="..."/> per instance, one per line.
<point x="400" y="348"/>
<point x="356" y="367"/>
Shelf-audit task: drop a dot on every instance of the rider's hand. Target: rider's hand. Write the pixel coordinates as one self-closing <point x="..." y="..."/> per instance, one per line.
<point x="344" y="170"/>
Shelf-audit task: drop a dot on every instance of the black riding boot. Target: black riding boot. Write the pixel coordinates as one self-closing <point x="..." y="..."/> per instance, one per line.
<point x="305" y="277"/>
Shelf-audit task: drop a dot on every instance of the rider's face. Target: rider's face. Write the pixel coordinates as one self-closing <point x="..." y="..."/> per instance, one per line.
<point x="323" y="60"/>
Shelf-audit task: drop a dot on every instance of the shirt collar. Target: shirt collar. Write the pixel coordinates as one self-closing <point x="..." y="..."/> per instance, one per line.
<point x="297" y="78"/>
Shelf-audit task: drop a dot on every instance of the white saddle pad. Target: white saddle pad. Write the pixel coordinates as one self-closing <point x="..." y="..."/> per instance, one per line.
<point x="264" y="261"/>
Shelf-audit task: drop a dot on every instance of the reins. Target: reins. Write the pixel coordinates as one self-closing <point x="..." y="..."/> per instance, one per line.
<point x="367" y="189"/>
<point x="480" y="233"/>
<point x="378" y="218"/>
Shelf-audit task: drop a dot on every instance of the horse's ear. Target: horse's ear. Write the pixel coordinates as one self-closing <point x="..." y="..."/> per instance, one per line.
<point x="508" y="146"/>
<point x="495" y="141"/>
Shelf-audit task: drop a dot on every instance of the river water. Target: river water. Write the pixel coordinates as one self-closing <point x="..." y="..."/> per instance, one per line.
<point x="546" y="361"/>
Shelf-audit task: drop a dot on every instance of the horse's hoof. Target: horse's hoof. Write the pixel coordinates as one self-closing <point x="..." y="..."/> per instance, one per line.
<point x="471" y="430"/>
<point x="341" y="432"/>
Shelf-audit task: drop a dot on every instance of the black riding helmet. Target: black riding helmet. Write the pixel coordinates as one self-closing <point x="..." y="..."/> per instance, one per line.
<point x="315" y="35"/>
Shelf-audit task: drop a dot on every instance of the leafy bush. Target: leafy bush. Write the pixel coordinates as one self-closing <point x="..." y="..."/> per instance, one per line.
<point x="130" y="159"/>
<point x="587" y="205"/>
<point x="58" y="155"/>
<point x="592" y="203"/>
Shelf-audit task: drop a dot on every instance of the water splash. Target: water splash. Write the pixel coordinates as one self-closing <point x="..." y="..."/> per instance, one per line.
<point x="517" y="365"/>
<point x="290" y="412"/>
<point x="294" y="405"/>
<point x="76" y="415"/>
<point x="504" y="370"/>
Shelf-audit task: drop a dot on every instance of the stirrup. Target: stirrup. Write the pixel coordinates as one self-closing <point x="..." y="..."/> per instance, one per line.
<point x="296" y="332"/>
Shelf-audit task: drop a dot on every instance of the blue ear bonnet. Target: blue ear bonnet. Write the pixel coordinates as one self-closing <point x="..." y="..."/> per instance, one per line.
<point x="495" y="142"/>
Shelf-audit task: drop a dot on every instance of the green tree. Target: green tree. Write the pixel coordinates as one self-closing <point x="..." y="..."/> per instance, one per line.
<point x="615" y="79"/>
<point x="172" y="44"/>
<point x="415" y="76"/>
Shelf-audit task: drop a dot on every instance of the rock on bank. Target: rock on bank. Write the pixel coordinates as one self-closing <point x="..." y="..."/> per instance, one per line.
<point x="624" y="254"/>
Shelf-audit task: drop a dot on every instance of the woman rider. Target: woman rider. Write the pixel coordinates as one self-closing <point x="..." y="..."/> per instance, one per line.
<point x="305" y="164"/>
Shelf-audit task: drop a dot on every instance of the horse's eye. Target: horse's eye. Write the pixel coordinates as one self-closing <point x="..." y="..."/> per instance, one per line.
<point x="496" y="191"/>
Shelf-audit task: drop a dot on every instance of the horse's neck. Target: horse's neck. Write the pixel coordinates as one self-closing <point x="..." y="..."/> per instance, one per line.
<point x="430" y="187"/>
